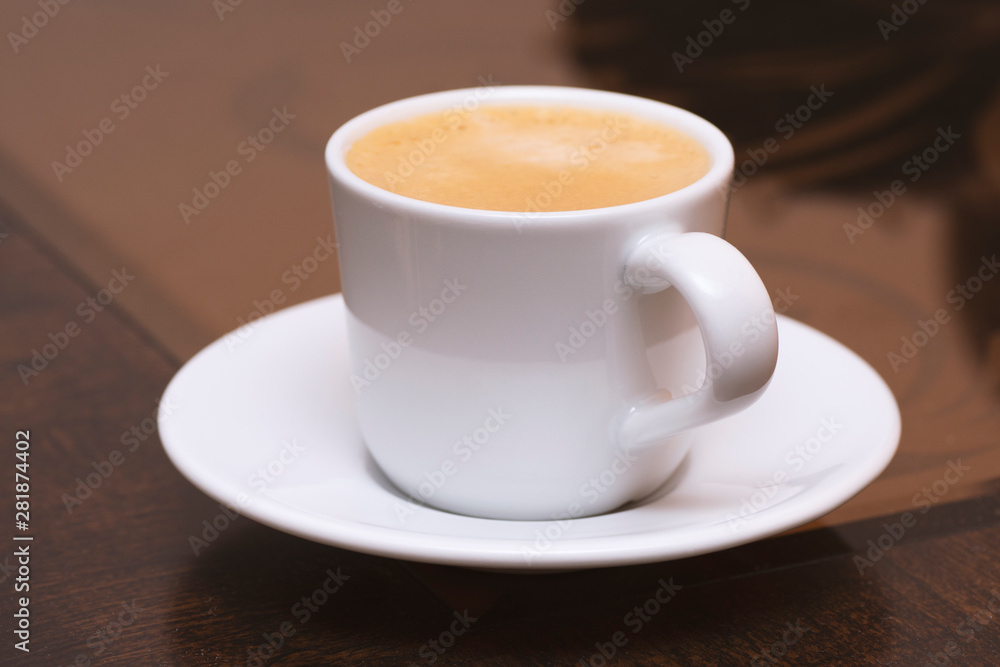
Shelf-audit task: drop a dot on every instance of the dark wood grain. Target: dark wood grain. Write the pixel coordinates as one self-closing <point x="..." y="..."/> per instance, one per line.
<point x="127" y="544"/>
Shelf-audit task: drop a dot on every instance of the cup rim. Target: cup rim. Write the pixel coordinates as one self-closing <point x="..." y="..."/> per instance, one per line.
<point x="708" y="135"/>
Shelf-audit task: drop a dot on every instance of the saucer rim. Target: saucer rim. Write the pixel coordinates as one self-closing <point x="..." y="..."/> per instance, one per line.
<point x="504" y="553"/>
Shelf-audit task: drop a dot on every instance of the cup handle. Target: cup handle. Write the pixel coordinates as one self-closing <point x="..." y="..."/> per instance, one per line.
<point x="737" y="323"/>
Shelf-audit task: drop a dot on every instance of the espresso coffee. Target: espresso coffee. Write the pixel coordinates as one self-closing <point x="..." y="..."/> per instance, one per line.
<point x="528" y="158"/>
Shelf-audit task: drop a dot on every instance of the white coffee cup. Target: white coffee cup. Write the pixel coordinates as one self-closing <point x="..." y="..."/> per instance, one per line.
<point x="530" y="367"/>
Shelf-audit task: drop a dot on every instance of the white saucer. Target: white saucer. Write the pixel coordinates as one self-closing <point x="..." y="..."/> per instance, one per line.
<point x="230" y="409"/>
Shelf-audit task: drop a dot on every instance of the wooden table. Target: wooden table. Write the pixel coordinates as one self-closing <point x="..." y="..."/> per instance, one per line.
<point x="87" y="352"/>
<point x="113" y="578"/>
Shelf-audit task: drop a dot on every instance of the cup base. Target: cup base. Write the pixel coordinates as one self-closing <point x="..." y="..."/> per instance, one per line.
<point x="658" y="470"/>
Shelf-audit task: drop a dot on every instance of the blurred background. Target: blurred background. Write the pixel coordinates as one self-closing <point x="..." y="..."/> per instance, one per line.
<point x="867" y="137"/>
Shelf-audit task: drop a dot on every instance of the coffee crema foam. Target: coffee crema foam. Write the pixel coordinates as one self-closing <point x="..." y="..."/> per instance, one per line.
<point x="528" y="158"/>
